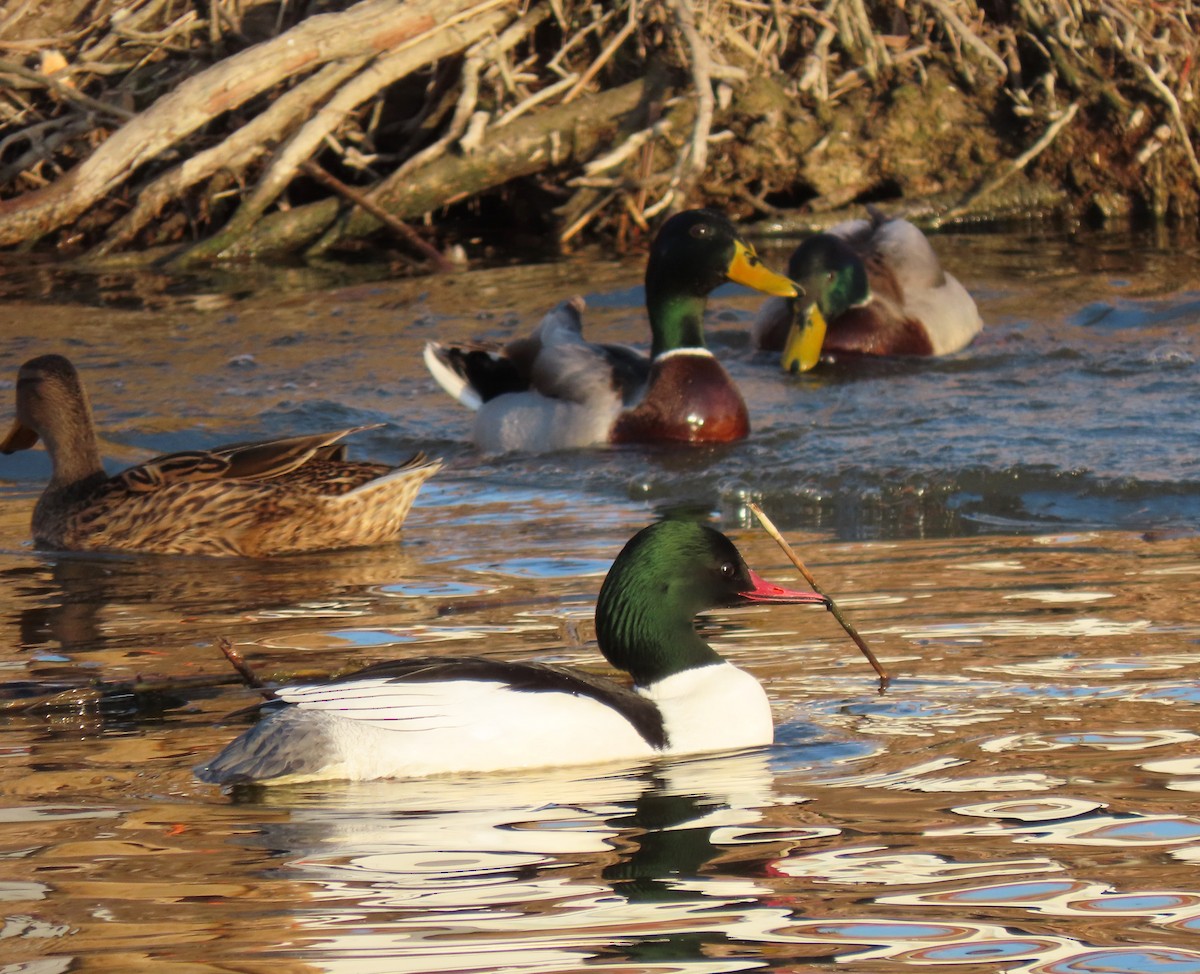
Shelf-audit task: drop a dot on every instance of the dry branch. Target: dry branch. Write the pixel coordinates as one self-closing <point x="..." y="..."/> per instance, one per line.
<point x="401" y="229"/>
<point x="1172" y="102"/>
<point x="694" y="159"/>
<point x="448" y="37"/>
<point x="1012" y="167"/>
<point x="555" y="137"/>
<point x="956" y="25"/>
<point x="820" y="102"/>
<point x="364" y="29"/>
<point x="234" y="154"/>
<point x="64" y="91"/>
<point x="476" y="62"/>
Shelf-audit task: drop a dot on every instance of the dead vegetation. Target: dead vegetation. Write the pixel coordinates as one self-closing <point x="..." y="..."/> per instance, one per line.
<point x="233" y="128"/>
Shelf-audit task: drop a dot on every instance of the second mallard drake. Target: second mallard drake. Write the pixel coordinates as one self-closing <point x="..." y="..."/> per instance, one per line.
<point x="251" y="499"/>
<point x="553" y="390"/>
<point x="871" y="287"/>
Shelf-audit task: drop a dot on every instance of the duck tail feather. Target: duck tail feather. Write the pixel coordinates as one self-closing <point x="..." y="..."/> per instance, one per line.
<point x="445" y="367"/>
<point x="288" y="743"/>
<point x="416" y="469"/>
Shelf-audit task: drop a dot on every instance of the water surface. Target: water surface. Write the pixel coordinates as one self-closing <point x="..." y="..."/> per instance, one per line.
<point x="1014" y="529"/>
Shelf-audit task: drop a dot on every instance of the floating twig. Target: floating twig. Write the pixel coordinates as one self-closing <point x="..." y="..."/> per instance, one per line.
<point x="238" y="662"/>
<point x="773" y="531"/>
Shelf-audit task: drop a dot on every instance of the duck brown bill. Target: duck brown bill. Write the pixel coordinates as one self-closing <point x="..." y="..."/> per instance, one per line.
<point x="20" y="437"/>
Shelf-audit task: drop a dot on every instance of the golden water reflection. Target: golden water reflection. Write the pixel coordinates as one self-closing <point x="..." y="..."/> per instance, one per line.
<point x="1024" y="797"/>
<point x="1021" y="800"/>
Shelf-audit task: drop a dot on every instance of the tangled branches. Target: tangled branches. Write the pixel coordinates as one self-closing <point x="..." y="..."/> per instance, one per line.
<point x="238" y="127"/>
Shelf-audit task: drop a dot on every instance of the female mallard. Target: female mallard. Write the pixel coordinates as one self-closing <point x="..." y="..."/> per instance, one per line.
<point x="252" y="499"/>
<point x="553" y="390"/>
<point x="871" y="287"/>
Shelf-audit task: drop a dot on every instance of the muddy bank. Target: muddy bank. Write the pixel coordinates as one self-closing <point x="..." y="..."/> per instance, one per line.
<point x="235" y="129"/>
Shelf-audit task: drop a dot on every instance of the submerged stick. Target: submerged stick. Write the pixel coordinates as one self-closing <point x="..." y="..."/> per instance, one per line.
<point x="773" y="531"/>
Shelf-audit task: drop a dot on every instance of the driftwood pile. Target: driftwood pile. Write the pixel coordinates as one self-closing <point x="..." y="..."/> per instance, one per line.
<point x="233" y="128"/>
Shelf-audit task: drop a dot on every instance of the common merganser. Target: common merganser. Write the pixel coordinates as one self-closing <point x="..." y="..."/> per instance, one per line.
<point x="439" y="715"/>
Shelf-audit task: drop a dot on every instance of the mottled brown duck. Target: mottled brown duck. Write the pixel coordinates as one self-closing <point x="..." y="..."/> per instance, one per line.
<point x="249" y="499"/>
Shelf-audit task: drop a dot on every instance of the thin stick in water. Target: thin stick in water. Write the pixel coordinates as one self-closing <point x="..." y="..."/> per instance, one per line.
<point x="773" y="531"/>
<point x="238" y="662"/>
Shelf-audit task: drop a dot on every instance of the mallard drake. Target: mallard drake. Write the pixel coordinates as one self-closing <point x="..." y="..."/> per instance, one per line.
<point x="438" y="715"/>
<point x="252" y="499"/>
<point x="553" y="390"/>
<point x="871" y="287"/>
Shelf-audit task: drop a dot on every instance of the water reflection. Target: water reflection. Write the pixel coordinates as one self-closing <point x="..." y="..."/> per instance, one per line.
<point x="1022" y="798"/>
<point x="1098" y="830"/>
<point x="844" y="843"/>
<point x="1001" y="437"/>
<point x="539" y="873"/>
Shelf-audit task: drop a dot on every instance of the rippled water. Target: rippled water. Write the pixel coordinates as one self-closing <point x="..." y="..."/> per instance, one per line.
<point x="1014" y="530"/>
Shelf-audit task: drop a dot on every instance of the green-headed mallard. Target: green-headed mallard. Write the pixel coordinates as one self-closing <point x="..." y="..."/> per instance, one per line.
<point x="871" y="287"/>
<point x="553" y="390"/>
<point x="252" y="499"/>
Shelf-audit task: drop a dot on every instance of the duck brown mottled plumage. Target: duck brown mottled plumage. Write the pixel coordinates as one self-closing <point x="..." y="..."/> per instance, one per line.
<point x="249" y="499"/>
